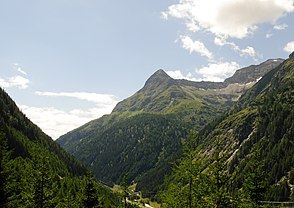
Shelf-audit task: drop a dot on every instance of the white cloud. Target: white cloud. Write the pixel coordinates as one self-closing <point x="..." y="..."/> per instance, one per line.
<point x="218" y="72"/>
<point x="177" y="74"/>
<point x="98" y="99"/>
<point x="19" y="69"/>
<point x="15" y="81"/>
<point x="248" y="51"/>
<point x="195" y="46"/>
<point x="56" y="122"/>
<point x="280" y="27"/>
<point x="268" y="35"/>
<point x="192" y="26"/>
<point x="243" y="19"/>
<point x="289" y="47"/>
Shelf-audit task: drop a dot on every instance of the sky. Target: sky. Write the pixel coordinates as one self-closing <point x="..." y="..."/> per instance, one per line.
<point x="66" y="62"/>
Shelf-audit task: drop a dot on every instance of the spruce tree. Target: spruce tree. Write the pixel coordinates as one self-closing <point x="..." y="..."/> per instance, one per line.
<point x="90" y="196"/>
<point x="219" y="180"/>
<point x="187" y="187"/>
<point x="4" y="156"/>
<point x="43" y="189"/>
<point x="255" y="184"/>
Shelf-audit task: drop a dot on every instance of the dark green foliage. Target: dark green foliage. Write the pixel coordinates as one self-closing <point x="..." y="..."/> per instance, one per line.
<point x="135" y="146"/>
<point x="255" y="184"/>
<point x="186" y="187"/>
<point x="90" y="198"/>
<point x="4" y="157"/>
<point x="251" y="148"/>
<point x="220" y="192"/>
<point x="43" y="184"/>
<point x="261" y="121"/>
<point x="142" y="135"/>
<point x="199" y="182"/>
<point x="34" y="170"/>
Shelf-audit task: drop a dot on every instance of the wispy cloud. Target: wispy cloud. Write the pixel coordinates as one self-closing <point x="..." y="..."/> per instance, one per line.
<point x="195" y="46"/>
<point x="15" y="81"/>
<point x="19" y="69"/>
<point x="248" y="51"/>
<point x="98" y="99"/>
<point x="289" y="47"/>
<point x="268" y="35"/>
<point x="280" y="27"/>
<point x="56" y="122"/>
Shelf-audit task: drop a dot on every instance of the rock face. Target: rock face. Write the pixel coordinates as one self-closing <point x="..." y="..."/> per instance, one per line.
<point x="253" y="72"/>
<point x="157" y="82"/>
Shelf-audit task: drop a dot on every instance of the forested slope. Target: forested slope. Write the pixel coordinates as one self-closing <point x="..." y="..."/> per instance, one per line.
<point x="143" y="134"/>
<point x="247" y="155"/>
<point x="35" y="171"/>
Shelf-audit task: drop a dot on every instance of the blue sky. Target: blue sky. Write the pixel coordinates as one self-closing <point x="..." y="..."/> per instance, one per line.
<point x="66" y="62"/>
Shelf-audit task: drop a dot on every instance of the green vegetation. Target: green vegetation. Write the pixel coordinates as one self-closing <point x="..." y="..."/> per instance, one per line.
<point x="37" y="172"/>
<point x="246" y="156"/>
<point x="143" y="134"/>
<point x="233" y="159"/>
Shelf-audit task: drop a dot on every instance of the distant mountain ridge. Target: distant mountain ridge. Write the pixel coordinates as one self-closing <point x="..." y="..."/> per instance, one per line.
<point x="160" y="81"/>
<point x="139" y="124"/>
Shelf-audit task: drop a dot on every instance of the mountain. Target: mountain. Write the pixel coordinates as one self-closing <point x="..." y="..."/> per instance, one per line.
<point x="261" y="123"/>
<point x="143" y="134"/>
<point x="34" y="170"/>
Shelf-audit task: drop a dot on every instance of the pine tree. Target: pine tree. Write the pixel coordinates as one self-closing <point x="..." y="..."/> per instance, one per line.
<point x="90" y="196"/>
<point x="43" y="184"/>
<point x="220" y="194"/>
<point x="188" y="183"/>
<point x="255" y="184"/>
<point x="125" y="190"/>
<point x="4" y="156"/>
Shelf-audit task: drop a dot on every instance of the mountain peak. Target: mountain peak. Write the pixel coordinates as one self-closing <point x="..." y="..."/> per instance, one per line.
<point x="159" y="75"/>
<point x="159" y="78"/>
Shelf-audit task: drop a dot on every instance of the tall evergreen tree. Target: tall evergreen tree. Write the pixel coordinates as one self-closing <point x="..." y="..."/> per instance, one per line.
<point x="220" y="194"/>
<point x="255" y="184"/>
<point x="4" y="156"/>
<point x="188" y="187"/>
<point x="90" y="195"/>
<point x="43" y="184"/>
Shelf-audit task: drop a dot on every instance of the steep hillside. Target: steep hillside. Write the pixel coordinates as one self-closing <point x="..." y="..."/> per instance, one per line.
<point x="143" y="134"/>
<point x="34" y="170"/>
<point x="260" y="124"/>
